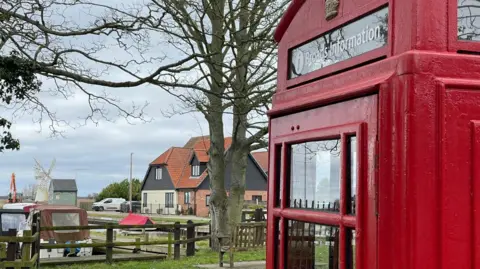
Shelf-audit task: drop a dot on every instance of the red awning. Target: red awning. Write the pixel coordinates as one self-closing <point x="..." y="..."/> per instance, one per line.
<point x="134" y="219"/>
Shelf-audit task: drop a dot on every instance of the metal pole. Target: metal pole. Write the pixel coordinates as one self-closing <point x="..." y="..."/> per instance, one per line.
<point x="130" y="188"/>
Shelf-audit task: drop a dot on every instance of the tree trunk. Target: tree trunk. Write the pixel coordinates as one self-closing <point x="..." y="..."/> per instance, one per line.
<point x="238" y="161"/>
<point x="216" y="172"/>
<point x="237" y="187"/>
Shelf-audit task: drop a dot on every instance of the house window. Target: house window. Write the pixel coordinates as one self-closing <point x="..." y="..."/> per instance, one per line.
<point x="145" y="199"/>
<point x="207" y="200"/>
<point x="196" y="170"/>
<point x="256" y="198"/>
<point x="187" y="198"/>
<point x="169" y="199"/>
<point x="158" y="173"/>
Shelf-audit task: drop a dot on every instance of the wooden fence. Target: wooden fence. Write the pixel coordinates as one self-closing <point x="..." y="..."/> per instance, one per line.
<point x="246" y="235"/>
<point x="257" y="215"/>
<point x="29" y="256"/>
<point x="12" y="256"/>
<point x="250" y="235"/>
<point x="109" y="243"/>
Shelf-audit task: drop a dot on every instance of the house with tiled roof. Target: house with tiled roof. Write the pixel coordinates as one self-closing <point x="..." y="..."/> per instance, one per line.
<point x="177" y="181"/>
<point x="262" y="159"/>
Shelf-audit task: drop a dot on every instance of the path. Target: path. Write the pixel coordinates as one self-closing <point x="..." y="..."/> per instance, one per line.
<point x="241" y="265"/>
<point x="100" y="258"/>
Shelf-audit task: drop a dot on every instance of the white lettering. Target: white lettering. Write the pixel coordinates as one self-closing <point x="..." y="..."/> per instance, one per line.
<point x="336" y="46"/>
<point x="371" y="34"/>
<point x="359" y="39"/>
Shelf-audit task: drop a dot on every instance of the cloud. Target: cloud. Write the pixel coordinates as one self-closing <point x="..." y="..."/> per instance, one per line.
<point x="99" y="155"/>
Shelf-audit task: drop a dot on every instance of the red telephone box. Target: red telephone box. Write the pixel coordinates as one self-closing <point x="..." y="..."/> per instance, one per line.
<point x="375" y="136"/>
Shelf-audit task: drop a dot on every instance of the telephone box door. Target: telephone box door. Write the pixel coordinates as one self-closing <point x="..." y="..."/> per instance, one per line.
<point x="324" y="187"/>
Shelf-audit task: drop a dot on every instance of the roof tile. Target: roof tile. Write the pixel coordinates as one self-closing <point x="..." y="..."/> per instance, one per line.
<point x="262" y="159"/>
<point x="177" y="161"/>
<point x="174" y="159"/>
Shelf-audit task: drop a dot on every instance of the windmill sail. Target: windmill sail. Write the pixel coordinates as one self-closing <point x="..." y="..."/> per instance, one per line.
<point x="43" y="179"/>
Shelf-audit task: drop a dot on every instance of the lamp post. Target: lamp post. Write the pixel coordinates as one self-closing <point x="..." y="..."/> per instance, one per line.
<point x="130" y="188"/>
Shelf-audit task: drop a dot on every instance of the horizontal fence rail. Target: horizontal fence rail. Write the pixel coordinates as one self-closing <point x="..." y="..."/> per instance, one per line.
<point x="109" y="244"/>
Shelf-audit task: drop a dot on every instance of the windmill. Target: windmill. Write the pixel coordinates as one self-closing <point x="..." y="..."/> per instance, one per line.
<point x="43" y="179"/>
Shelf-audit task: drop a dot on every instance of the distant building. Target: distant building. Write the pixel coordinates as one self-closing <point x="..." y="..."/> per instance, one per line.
<point x="63" y="192"/>
<point x="177" y="181"/>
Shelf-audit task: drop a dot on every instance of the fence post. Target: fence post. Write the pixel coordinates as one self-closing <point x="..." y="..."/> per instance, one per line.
<point x="11" y="247"/>
<point x="258" y="214"/>
<point x="210" y="233"/>
<point x="190" y="235"/>
<point x="35" y="229"/>
<point x="109" y="254"/>
<point x="169" y="251"/>
<point x="146" y="240"/>
<point x="26" y="248"/>
<point x="36" y="218"/>
<point x="176" y="237"/>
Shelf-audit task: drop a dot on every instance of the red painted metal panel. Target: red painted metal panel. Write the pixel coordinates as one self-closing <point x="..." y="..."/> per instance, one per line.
<point x="305" y="19"/>
<point x="475" y="132"/>
<point x="272" y="155"/>
<point x="343" y="174"/>
<point x="459" y="107"/>
<point x="334" y="121"/>
<point x="424" y="189"/>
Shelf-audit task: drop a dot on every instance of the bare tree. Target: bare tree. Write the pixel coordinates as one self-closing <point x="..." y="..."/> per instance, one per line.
<point x="237" y="76"/>
<point x="223" y="62"/>
<point x="74" y="45"/>
<point x="29" y="191"/>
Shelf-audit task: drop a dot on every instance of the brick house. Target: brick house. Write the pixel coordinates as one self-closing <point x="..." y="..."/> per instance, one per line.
<point x="177" y="181"/>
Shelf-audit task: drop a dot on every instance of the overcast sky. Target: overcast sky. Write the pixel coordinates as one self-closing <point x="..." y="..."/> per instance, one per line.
<point x="97" y="155"/>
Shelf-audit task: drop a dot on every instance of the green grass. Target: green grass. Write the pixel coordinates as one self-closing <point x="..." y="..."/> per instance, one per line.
<point x="201" y="257"/>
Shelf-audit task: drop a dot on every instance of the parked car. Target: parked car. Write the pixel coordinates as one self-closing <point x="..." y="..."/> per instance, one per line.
<point x="136" y="207"/>
<point x="111" y="204"/>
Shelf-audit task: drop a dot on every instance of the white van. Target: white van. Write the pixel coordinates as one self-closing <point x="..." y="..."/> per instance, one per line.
<point x="111" y="204"/>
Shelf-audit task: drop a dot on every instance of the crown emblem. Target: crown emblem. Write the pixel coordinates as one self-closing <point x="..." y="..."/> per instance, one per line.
<point x="331" y="9"/>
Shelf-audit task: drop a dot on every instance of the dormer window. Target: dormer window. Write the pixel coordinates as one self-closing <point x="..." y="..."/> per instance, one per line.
<point x="195" y="170"/>
<point x="158" y="173"/>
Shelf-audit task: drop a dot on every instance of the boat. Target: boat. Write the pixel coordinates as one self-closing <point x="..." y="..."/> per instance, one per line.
<point x="56" y="216"/>
<point x="13" y="215"/>
<point x="135" y="219"/>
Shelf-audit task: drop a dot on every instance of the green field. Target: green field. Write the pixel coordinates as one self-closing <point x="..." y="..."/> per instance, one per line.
<point x="201" y="257"/>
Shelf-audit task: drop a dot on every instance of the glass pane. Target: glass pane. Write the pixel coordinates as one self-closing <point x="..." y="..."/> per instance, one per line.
<point x="350" y="251"/>
<point x="66" y="219"/>
<point x="315" y="175"/>
<point x="277" y="242"/>
<point x="12" y="221"/>
<point x="312" y="246"/>
<point x="352" y="172"/>
<point x="467" y="18"/>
